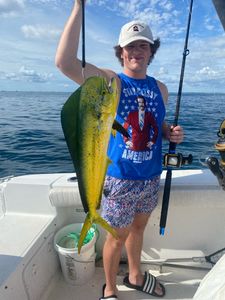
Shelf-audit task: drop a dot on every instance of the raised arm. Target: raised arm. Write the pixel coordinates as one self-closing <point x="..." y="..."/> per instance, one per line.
<point x="66" y="55"/>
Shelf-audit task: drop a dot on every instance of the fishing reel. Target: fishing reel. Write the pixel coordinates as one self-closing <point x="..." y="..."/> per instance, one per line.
<point x="220" y="145"/>
<point x="218" y="167"/>
<point x="176" y="160"/>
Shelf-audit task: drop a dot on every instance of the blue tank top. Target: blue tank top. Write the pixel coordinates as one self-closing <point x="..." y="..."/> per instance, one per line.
<point x="134" y="158"/>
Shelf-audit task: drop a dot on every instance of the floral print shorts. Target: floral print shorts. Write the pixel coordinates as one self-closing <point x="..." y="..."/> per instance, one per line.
<point x="122" y="199"/>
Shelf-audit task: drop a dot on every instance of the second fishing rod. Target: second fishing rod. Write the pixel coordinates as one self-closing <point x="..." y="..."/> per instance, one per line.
<point x="173" y="159"/>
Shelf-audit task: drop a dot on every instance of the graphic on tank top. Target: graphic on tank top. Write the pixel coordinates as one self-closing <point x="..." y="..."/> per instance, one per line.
<point x="142" y="127"/>
<point x="141" y="112"/>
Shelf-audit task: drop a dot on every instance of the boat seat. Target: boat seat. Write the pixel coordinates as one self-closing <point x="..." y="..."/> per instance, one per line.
<point x="65" y="197"/>
<point x="64" y="192"/>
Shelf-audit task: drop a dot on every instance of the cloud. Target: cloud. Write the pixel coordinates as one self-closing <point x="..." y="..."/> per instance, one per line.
<point x="52" y="3"/>
<point x="208" y="23"/>
<point x="40" y="32"/>
<point x="161" y="15"/>
<point x="167" y="5"/>
<point x="208" y="51"/>
<point x="161" y="71"/>
<point x="10" y="76"/>
<point x="43" y="1"/>
<point x="11" y="7"/>
<point x="33" y="76"/>
<point x="207" y="71"/>
<point x="97" y="37"/>
<point x="209" y="74"/>
<point x="25" y="74"/>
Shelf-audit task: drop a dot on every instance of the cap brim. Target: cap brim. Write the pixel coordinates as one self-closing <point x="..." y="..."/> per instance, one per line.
<point x="133" y="39"/>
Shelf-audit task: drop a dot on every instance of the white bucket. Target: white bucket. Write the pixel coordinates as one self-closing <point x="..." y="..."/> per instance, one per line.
<point x="77" y="268"/>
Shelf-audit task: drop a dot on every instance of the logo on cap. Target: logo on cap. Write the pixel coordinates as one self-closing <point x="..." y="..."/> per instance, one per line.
<point x="135" y="28"/>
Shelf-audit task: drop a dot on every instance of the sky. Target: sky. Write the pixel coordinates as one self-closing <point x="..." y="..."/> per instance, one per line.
<point x="30" y="31"/>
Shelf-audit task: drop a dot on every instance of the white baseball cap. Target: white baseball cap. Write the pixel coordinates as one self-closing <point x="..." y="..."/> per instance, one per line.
<point x="133" y="31"/>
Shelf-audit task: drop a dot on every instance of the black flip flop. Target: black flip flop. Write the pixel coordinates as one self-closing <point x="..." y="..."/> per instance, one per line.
<point x="148" y="285"/>
<point x="112" y="297"/>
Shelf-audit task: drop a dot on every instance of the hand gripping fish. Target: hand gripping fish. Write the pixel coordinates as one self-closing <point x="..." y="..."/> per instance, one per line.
<point x="87" y="119"/>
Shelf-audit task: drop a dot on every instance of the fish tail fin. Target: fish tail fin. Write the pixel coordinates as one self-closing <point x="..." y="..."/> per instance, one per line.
<point x="100" y="221"/>
<point x="87" y="225"/>
<point x="97" y="219"/>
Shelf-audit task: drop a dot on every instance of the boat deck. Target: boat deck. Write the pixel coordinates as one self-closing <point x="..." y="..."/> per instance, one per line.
<point x="180" y="283"/>
<point x="34" y="208"/>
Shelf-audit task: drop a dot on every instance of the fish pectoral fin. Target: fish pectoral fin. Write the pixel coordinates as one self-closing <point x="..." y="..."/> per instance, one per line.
<point x="110" y="88"/>
<point x="113" y="132"/>
<point x="86" y="226"/>
<point x="100" y="221"/>
<point x="108" y="161"/>
<point x="118" y="127"/>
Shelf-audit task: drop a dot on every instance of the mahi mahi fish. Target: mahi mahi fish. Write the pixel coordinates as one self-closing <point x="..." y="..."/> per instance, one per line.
<point x="87" y="119"/>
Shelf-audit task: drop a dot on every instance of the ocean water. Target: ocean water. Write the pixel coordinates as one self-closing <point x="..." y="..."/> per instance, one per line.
<point x="32" y="141"/>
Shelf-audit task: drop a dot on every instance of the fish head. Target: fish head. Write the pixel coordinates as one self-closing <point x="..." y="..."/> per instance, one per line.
<point x="101" y="99"/>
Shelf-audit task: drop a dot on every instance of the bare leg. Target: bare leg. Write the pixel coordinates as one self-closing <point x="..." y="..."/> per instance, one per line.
<point x="111" y="258"/>
<point x="134" y="245"/>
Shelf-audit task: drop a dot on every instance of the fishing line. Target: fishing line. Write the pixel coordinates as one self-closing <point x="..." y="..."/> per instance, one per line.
<point x="171" y="159"/>
<point x="83" y="38"/>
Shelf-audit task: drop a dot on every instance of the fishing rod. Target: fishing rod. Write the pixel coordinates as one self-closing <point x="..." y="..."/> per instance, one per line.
<point x="173" y="159"/>
<point x="83" y="36"/>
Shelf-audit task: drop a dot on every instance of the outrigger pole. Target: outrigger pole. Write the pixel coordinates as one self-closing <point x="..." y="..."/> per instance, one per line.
<point x="172" y="159"/>
<point x="220" y="9"/>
